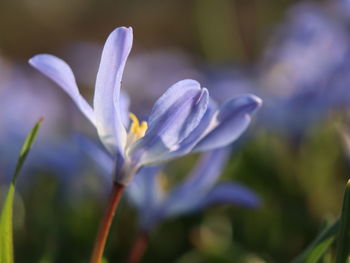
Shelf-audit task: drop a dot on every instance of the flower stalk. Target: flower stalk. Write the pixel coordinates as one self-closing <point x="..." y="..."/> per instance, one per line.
<point x="139" y="248"/>
<point x="106" y="223"/>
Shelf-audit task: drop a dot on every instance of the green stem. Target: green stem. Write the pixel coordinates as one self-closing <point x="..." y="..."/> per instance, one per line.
<point x="344" y="229"/>
<point x="319" y="246"/>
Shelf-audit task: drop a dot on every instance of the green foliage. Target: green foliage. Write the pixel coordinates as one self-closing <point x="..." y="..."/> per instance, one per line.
<point x="25" y="149"/>
<point x="343" y="234"/>
<point x="6" y="235"/>
<point x="6" y="242"/>
<point x="319" y="246"/>
<point x="322" y="243"/>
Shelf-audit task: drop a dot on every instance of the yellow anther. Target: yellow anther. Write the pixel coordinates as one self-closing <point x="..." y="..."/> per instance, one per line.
<point x="134" y="124"/>
<point x="143" y="128"/>
<point x="136" y="129"/>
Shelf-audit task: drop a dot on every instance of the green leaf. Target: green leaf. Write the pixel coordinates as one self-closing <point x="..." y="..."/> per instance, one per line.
<point x="344" y="229"/>
<point x="319" y="246"/>
<point x="25" y="148"/>
<point x="6" y="237"/>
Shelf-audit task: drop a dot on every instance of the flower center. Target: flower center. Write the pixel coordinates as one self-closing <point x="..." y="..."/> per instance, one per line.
<point x="137" y="130"/>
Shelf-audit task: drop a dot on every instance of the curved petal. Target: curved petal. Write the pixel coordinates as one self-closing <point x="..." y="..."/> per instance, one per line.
<point x="223" y="193"/>
<point x="229" y="193"/>
<point x="107" y="91"/>
<point x="229" y="122"/>
<point x="206" y="172"/>
<point x="144" y="191"/>
<point x="195" y="136"/>
<point x="58" y="70"/>
<point x="170" y="97"/>
<point x="146" y="194"/>
<point x="174" y="116"/>
<point x="190" y="193"/>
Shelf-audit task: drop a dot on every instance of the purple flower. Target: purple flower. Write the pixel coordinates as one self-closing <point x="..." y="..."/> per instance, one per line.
<point x="305" y="71"/>
<point x="198" y="191"/>
<point x="182" y="120"/>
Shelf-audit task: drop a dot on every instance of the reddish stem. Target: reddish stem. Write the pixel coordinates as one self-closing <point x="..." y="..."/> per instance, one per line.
<point x="106" y="223"/>
<point x="139" y="248"/>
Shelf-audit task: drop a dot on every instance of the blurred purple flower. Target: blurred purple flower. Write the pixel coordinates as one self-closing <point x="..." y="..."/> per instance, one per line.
<point x="306" y="70"/>
<point x="182" y="120"/>
<point x="303" y="75"/>
<point x="197" y="192"/>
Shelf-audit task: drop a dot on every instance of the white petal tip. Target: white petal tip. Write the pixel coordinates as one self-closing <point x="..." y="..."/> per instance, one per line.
<point x="258" y="101"/>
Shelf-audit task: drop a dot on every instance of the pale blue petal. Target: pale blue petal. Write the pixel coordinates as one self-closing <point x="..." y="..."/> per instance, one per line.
<point x="107" y="91"/>
<point x="58" y="70"/>
<point x="146" y="194"/>
<point x="124" y="103"/>
<point x="229" y="193"/>
<point x="144" y="190"/>
<point x="178" y="111"/>
<point x="171" y="96"/>
<point x="174" y="116"/>
<point x="205" y="174"/>
<point x="195" y="136"/>
<point x="189" y="194"/>
<point x="223" y="193"/>
<point x="229" y="123"/>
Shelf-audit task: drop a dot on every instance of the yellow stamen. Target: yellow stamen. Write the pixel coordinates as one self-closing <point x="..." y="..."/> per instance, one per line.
<point x="137" y="129"/>
<point x="143" y="128"/>
<point x="135" y="123"/>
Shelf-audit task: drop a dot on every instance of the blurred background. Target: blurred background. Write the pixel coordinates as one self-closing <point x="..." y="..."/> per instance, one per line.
<point x="295" y="55"/>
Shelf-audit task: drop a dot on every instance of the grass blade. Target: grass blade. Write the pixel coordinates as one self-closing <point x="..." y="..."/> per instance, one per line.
<point x="25" y="148"/>
<point x="319" y="246"/>
<point x="6" y="237"/>
<point x="344" y="229"/>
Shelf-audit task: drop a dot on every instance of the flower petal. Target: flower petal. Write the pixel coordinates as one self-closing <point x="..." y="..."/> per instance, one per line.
<point x="189" y="194"/>
<point x="146" y="194"/>
<point x="195" y="136"/>
<point x="223" y="193"/>
<point x="124" y="103"/>
<point x="143" y="190"/>
<point x="107" y="91"/>
<point x="58" y="70"/>
<point x="229" y="193"/>
<point x="229" y="122"/>
<point x="174" y="116"/>
<point x="205" y="173"/>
